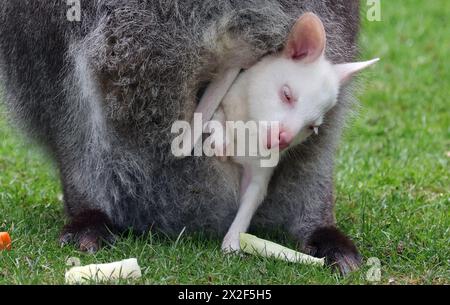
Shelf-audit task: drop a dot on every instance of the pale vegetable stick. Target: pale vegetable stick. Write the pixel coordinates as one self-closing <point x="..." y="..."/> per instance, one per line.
<point x="256" y="246"/>
<point x="126" y="269"/>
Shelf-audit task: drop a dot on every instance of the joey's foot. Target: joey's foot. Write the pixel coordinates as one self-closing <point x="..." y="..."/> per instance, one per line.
<point x="337" y="249"/>
<point x="231" y="244"/>
<point x="87" y="231"/>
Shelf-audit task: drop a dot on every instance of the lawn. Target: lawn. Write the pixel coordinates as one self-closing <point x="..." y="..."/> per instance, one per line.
<point x="392" y="180"/>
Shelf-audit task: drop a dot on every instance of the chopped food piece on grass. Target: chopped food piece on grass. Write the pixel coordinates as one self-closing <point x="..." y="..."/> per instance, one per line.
<point x="126" y="269"/>
<point x="73" y="262"/>
<point x="256" y="246"/>
<point x="5" y="241"/>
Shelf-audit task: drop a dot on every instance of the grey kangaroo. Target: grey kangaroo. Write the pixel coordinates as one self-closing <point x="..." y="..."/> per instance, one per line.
<point x="102" y="93"/>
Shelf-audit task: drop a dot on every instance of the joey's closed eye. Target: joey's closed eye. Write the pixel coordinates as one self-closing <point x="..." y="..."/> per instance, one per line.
<point x="286" y="95"/>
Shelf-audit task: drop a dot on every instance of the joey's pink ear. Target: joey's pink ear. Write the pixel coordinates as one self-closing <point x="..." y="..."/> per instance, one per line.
<point x="307" y="39"/>
<point x="346" y="71"/>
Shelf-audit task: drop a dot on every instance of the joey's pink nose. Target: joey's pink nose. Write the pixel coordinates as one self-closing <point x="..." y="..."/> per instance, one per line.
<point x="280" y="141"/>
<point x="286" y="139"/>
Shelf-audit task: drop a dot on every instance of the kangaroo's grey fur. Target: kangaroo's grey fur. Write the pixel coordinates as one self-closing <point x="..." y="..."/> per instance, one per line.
<point x="103" y="93"/>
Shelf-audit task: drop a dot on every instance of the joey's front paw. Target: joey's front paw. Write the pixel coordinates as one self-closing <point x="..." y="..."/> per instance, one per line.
<point x="231" y="244"/>
<point x="337" y="249"/>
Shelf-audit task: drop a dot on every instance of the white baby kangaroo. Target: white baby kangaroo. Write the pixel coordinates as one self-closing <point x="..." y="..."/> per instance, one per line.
<point x="295" y="88"/>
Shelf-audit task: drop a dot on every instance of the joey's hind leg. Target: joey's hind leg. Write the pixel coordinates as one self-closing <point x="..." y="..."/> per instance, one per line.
<point x="253" y="189"/>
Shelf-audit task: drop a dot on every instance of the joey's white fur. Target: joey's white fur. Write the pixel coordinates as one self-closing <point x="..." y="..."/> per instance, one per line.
<point x="295" y="88"/>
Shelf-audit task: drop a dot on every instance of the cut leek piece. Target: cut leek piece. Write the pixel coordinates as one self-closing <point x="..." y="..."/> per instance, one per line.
<point x="126" y="269"/>
<point x="256" y="246"/>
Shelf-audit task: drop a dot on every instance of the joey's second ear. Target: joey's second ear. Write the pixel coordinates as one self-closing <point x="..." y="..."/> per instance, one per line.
<point x="307" y="39"/>
<point x="346" y="71"/>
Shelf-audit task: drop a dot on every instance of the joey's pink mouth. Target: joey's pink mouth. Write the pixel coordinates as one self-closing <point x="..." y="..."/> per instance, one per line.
<point x="282" y="142"/>
<point x="284" y="146"/>
<point x="280" y="147"/>
<point x="285" y="139"/>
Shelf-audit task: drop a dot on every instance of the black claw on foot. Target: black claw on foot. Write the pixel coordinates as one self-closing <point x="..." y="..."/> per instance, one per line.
<point x="338" y="250"/>
<point x="88" y="231"/>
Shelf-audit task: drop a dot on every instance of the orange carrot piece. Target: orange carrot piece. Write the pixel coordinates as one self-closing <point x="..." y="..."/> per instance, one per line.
<point x="5" y="241"/>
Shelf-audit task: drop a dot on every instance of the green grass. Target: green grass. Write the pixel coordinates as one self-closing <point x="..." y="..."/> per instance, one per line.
<point x="392" y="180"/>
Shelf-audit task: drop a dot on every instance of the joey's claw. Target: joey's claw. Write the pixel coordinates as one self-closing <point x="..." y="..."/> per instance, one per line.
<point x="231" y="245"/>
